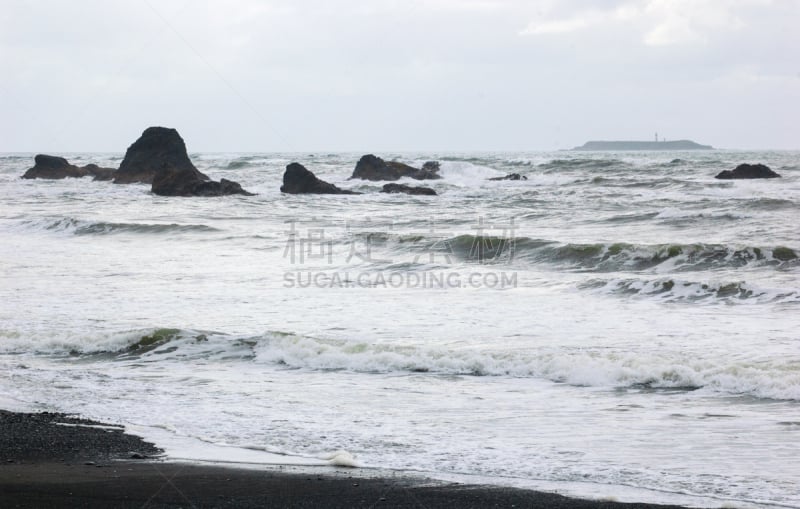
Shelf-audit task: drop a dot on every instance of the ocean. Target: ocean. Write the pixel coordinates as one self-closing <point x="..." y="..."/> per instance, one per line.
<point x="619" y="324"/>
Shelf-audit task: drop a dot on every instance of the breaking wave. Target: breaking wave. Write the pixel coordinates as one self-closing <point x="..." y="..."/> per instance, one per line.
<point x="591" y="367"/>
<point x="672" y="290"/>
<point x="771" y="204"/>
<point x="84" y="227"/>
<point x="583" y="164"/>
<point x="606" y="257"/>
<point x="581" y="257"/>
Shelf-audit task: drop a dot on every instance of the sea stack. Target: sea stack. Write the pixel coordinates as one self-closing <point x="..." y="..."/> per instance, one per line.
<point x="299" y="180"/>
<point x="371" y="167"/>
<point x="159" y="158"/>
<point x="748" y="171"/>
<point x="156" y="148"/>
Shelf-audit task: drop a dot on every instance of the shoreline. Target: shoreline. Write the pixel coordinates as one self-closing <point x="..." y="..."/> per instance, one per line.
<point x="58" y="460"/>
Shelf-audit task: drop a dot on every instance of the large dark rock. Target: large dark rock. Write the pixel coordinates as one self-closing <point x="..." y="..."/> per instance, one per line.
<point x="53" y="167"/>
<point x="748" y="171"/>
<point x="371" y="167"/>
<point x="402" y="188"/>
<point x="157" y="148"/>
<point x="511" y="176"/>
<point x="159" y="158"/>
<point x="172" y="181"/>
<point x="298" y="180"/>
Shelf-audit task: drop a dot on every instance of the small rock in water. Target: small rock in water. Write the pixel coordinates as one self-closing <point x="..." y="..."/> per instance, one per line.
<point x="402" y="188"/>
<point x="748" y="171"/>
<point x="511" y="176"/>
<point x="371" y="167"/>
<point x="299" y="180"/>
<point x="53" y="167"/>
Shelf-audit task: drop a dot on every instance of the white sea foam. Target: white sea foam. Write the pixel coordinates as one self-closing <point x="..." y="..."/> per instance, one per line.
<point x="778" y="379"/>
<point x="341" y="459"/>
<point x="670" y="289"/>
<point x="732" y="375"/>
<point x="676" y="213"/>
<point x="62" y="342"/>
<point x="466" y="174"/>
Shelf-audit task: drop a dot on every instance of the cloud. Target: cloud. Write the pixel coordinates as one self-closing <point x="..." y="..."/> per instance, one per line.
<point x="659" y="22"/>
<point x="691" y="21"/>
<point x="559" y="26"/>
<point x="403" y="74"/>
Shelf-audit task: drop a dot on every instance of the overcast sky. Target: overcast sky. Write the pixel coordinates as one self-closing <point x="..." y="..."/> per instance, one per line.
<point x="392" y="75"/>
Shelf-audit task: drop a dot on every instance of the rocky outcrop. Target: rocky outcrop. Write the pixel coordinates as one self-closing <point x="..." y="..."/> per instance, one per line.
<point x="159" y="158"/>
<point x="298" y="180"/>
<point x="511" y="176"/>
<point x="156" y="149"/>
<point x="100" y="173"/>
<point x="371" y="167"/>
<point x="748" y="171"/>
<point x="54" y="167"/>
<point x="173" y="181"/>
<point x="402" y="188"/>
<point x="431" y="166"/>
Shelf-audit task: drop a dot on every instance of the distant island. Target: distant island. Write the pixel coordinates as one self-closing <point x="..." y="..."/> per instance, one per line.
<point x="643" y="145"/>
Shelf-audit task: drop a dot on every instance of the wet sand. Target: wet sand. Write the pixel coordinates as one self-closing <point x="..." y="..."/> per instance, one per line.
<point x="86" y="464"/>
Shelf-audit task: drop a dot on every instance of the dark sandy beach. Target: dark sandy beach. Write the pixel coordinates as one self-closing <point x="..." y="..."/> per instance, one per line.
<point x="45" y="464"/>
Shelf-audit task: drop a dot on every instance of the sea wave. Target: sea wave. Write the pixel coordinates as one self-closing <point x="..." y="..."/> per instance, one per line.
<point x="583" y="164"/>
<point x="585" y="257"/>
<point x="643" y="369"/>
<point x="603" y="257"/>
<point x="87" y="227"/>
<point x="675" y="215"/>
<point x="633" y="182"/>
<point x="235" y="165"/>
<point x="518" y="162"/>
<point x="243" y="161"/>
<point x="675" y="290"/>
<point x="771" y="204"/>
<point x="468" y="172"/>
<point x="631" y="217"/>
